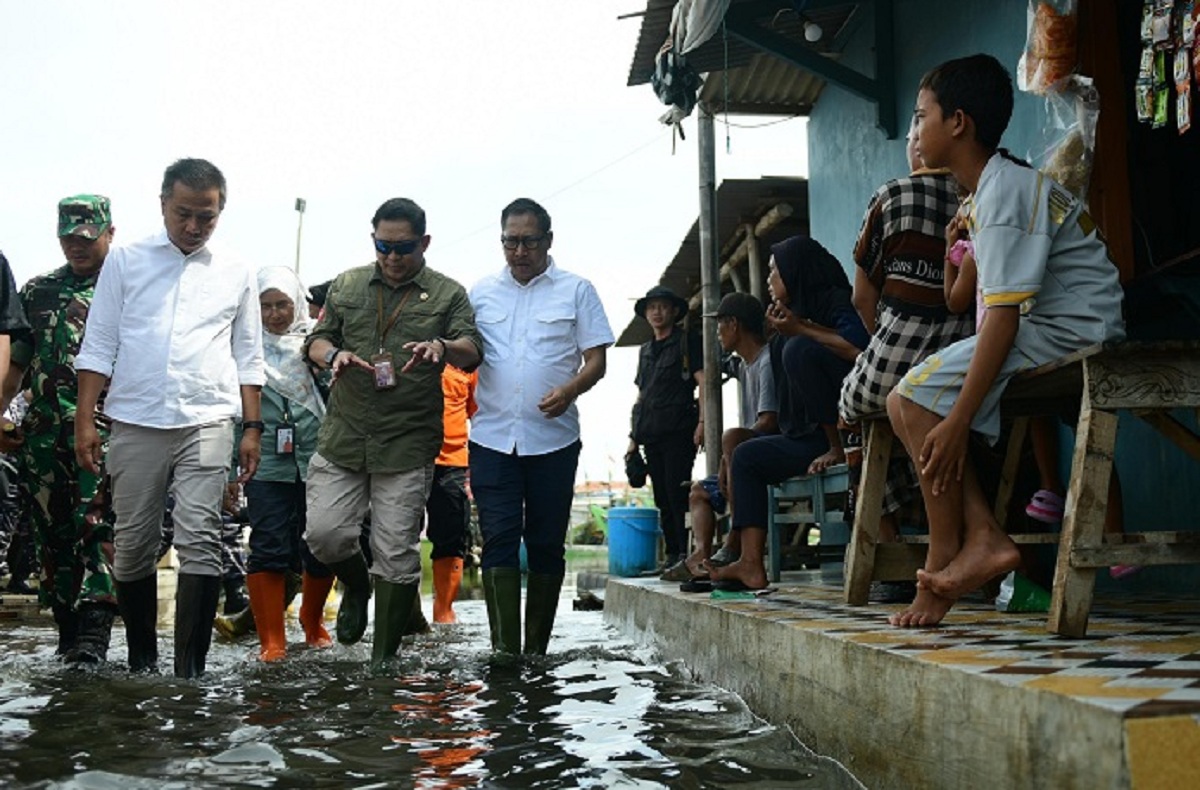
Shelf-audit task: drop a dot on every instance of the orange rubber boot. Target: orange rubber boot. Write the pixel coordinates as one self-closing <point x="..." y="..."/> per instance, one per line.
<point x="266" y="601"/>
<point x="312" y="610"/>
<point x="447" y="577"/>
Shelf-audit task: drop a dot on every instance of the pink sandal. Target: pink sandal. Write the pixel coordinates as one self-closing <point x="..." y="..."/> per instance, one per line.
<point x="1046" y="506"/>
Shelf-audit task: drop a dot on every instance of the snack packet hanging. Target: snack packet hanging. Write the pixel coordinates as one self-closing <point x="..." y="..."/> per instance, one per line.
<point x="1050" y="45"/>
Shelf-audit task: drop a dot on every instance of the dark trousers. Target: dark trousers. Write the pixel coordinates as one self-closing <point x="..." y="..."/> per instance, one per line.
<point x="277" y="521"/>
<point x="764" y="461"/>
<point x="669" y="464"/>
<point x="524" y="498"/>
<point x="449" y="512"/>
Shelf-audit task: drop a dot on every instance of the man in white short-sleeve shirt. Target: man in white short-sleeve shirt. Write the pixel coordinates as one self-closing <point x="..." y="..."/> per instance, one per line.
<point x="544" y="339"/>
<point x="175" y="333"/>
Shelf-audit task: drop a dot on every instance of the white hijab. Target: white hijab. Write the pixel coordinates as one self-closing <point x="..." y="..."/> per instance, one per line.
<point x="287" y="372"/>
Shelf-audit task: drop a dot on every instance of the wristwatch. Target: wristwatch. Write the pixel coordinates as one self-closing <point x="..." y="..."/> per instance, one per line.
<point x="330" y="354"/>
<point x="257" y="425"/>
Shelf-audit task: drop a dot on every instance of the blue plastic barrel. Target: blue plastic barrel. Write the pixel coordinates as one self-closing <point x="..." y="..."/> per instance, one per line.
<point x="632" y="540"/>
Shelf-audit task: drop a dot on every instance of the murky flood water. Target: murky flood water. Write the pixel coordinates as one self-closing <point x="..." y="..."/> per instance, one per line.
<point x="597" y="712"/>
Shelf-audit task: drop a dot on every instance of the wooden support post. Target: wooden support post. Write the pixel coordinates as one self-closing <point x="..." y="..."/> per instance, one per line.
<point x="754" y="255"/>
<point x="710" y="287"/>
<point x="860" y="554"/>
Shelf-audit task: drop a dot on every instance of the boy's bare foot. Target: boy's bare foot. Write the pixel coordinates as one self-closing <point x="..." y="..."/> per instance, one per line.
<point x="751" y="574"/>
<point x="985" y="554"/>
<point x="926" y="611"/>
<point x="822" y="462"/>
<point x="695" y="564"/>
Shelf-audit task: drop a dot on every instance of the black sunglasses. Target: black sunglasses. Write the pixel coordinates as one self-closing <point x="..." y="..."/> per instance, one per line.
<point x="528" y="242"/>
<point x="401" y="248"/>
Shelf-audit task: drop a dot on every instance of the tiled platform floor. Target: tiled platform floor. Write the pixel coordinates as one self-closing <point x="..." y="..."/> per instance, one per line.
<point x="1117" y="708"/>
<point x="1141" y="656"/>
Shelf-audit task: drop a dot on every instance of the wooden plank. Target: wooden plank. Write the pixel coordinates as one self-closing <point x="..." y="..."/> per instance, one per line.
<point x="860" y="554"/>
<point x="1152" y="379"/>
<point x="1008" y="472"/>
<point x="1136" y="554"/>
<point x="1083" y="523"/>
<point x="898" y="562"/>
<point x="1178" y="433"/>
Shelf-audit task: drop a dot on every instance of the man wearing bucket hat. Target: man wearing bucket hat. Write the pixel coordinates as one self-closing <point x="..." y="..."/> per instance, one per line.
<point x="666" y="419"/>
<point x="68" y="505"/>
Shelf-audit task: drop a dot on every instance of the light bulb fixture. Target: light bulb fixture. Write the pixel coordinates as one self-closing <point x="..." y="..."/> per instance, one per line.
<point x="812" y="32"/>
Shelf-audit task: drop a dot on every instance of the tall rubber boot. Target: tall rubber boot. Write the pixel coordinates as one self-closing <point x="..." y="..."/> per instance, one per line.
<point x="138" y="603"/>
<point x="502" y="591"/>
<point x="68" y="628"/>
<point x="393" y="612"/>
<point x="312" y="610"/>
<point x="541" y="602"/>
<point x="417" y="624"/>
<point x="95" y="629"/>
<point x="352" y="613"/>
<point x="447" y="578"/>
<point x="266" y="601"/>
<point x="196" y="600"/>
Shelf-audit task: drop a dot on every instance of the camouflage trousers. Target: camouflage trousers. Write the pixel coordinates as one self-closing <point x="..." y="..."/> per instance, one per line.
<point x="72" y="522"/>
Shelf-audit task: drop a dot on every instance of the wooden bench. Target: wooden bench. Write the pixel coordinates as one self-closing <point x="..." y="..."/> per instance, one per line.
<point x="1148" y="379"/>
<point x="807" y="500"/>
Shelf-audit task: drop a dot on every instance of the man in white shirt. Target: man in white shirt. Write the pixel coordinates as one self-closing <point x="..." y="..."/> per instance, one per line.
<point x="544" y="339"/>
<point x="175" y="332"/>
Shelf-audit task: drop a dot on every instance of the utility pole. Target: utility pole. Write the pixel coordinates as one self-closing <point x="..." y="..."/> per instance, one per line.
<point x="300" y="206"/>
<point x="710" y="286"/>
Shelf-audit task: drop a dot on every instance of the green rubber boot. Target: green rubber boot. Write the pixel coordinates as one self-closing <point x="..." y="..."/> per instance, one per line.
<point x="352" y="613"/>
<point x="393" y="611"/>
<point x="502" y="590"/>
<point x="541" y="603"/>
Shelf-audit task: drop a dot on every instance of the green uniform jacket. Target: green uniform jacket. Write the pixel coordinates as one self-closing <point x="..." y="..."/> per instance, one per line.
<point x="400" y="429"/>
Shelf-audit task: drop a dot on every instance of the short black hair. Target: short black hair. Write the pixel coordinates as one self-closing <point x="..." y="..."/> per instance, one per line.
<point x="979" y="86"/>
<point x="318" y="292"/>
<point x="527" y="206"/>
<point x="197" y="174"/>
<point x="401" y="209"/>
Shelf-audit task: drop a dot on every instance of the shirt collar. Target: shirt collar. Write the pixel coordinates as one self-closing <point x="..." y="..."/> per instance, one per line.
<point x="163" y="240"/>
<point x="420" y="279"/>
<point x="551" y="273"/>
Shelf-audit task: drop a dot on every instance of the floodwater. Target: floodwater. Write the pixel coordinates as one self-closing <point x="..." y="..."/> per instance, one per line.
<point x="598" y="711"/>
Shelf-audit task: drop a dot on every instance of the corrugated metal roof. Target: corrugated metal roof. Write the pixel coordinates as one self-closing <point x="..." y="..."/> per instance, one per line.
<point x="759" y="83"/>
<point x="739" y="201"/>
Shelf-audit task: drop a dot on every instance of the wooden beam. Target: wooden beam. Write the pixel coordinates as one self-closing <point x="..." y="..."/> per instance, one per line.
<point x="1179" y="434"/>
<point x="778" y="213"/>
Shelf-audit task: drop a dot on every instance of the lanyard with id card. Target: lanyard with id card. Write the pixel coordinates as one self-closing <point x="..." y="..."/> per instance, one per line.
<point x="383" y="364"/>
<point x="285" y="434"/>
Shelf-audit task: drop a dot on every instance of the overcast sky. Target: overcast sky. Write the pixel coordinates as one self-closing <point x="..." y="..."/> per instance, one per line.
<point x="461" y="105"/>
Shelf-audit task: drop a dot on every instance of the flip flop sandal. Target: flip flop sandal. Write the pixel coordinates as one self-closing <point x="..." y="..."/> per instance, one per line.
<point x="1123" y="571"/>
<point x="696" y="586"/>
<point x="1045" y="506"/>
<point x="730" y="585"/>
<point x="723" y="557"/>
<point x="678" y="572"/>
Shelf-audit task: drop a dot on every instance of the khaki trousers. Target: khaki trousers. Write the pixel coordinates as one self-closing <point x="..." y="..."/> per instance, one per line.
<point x="145" y="463"/>
<point x="338" y="500"/>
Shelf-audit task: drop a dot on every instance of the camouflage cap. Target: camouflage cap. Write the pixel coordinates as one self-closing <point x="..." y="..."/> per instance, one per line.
<point x="84" y="215"/>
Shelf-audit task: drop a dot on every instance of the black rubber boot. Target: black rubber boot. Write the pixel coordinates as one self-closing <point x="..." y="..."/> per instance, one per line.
<point x="393" y="613"/>
<point x="417" y="622"/>
<point x="502" y="590"/>
<point x="356" y="594"/>
<point x="95" y="629"/>
<point x="68" y="628"/>
<point x="235" y="595"/>
<point x="138" y="603"/>
<point x="541" y="603"/>
<point x="196" y="600"/>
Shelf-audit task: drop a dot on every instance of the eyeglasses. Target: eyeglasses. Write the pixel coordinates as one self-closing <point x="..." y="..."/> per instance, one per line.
<point x="528" y="242"/>
<point x="401" y="248"/>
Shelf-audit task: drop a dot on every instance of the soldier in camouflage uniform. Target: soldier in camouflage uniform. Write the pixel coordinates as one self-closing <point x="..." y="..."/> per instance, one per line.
<point x="72" y="517"/>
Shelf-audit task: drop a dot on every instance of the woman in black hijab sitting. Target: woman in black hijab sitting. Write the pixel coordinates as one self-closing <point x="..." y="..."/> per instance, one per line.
<point x="819" y="334"/>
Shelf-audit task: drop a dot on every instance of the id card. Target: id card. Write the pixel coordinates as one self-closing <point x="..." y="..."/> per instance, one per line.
<point x="285" y="440"/>
<point x="385" y="371"/>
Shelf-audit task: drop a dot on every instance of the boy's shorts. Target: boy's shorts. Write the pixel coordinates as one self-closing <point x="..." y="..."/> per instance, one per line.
<point x="715" y="497"/>
<point x="936" y="383"/>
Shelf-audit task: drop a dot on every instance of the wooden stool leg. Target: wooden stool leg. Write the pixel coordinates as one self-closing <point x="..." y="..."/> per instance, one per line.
<point x="1083" y="521"/>
<point x="860" y="554"/>
<point x="1008" y="474"/>
<point x="774" y="540"/>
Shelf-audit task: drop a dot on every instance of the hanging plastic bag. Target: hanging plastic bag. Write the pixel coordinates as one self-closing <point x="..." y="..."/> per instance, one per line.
<point x="1050" y="45"/>
<point x="1069" y="135"/>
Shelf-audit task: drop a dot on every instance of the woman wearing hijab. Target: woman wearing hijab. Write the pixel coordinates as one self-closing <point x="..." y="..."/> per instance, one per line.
<point x="292" y="410"/>
<point x="818" y="336"/>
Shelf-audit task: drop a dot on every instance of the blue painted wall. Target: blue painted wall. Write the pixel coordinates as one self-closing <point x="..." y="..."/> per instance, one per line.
<point x="849" y="156"/>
